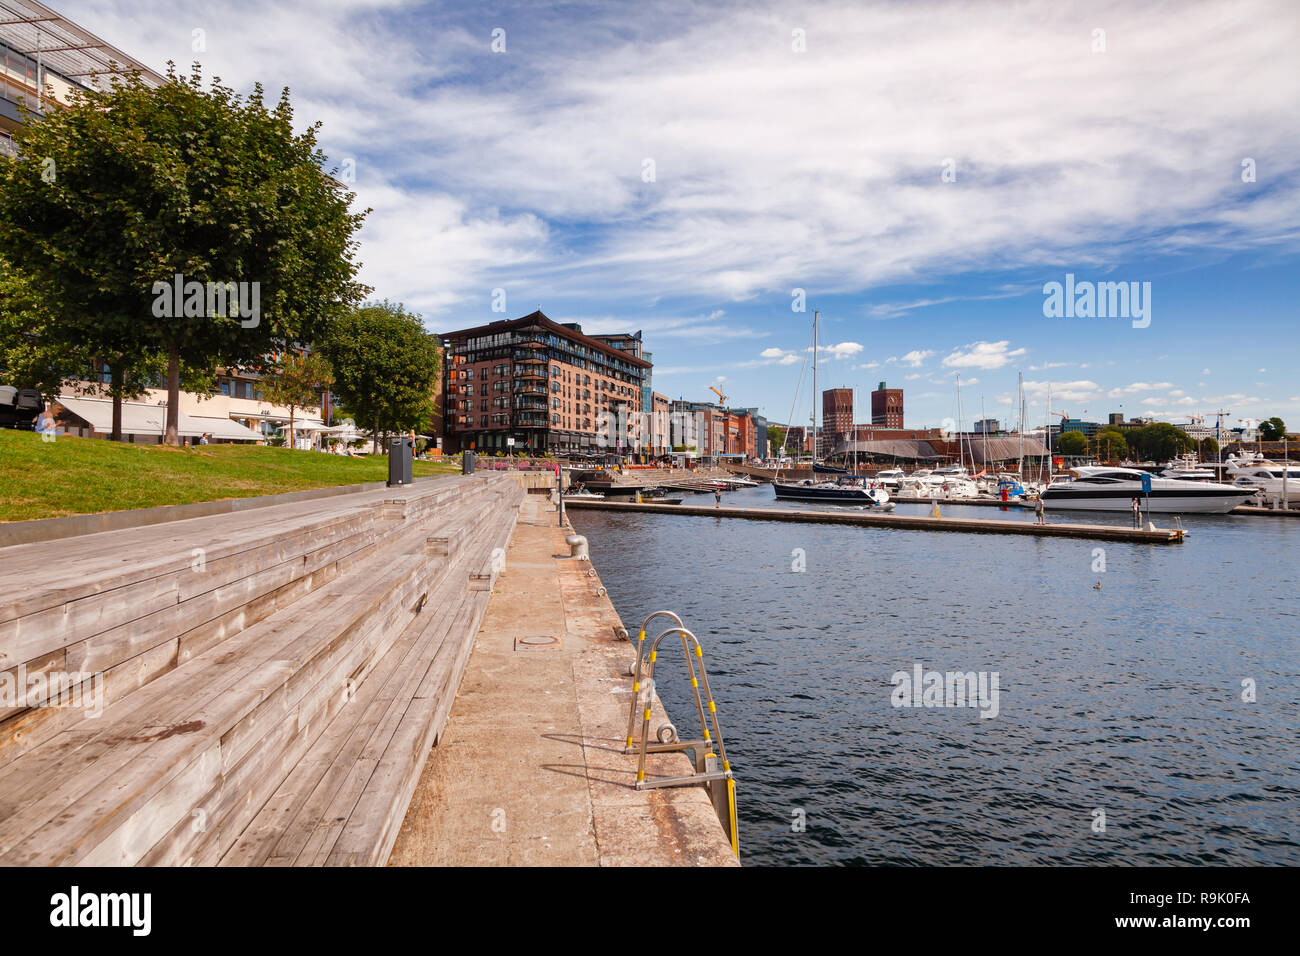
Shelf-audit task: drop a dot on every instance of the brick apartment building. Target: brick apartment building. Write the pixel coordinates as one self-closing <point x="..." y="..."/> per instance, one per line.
<point x="547" y="386"/>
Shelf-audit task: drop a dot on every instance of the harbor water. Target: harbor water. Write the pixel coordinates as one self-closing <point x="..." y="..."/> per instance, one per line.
<point x="1147" y="697"/>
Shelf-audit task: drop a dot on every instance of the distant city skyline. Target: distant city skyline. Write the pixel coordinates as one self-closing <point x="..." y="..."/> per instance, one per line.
<point x="684" y="169"/>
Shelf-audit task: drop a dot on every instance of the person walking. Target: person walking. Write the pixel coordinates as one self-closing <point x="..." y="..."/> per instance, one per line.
<point x="1040" y="510"/>
<point x="717" y="497"/>
<point x="1136" y="507"/>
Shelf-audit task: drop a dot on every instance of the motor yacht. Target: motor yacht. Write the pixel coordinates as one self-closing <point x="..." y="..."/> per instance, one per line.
<point x="1096" y="488"/>
<point x="1252" y="470"/>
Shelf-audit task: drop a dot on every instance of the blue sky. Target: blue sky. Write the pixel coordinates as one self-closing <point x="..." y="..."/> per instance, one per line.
<point x="805" y="146"/>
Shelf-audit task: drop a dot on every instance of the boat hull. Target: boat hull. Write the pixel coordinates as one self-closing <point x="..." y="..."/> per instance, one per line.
<point x="854" y="496"/>
<point x="1178" y="502"/>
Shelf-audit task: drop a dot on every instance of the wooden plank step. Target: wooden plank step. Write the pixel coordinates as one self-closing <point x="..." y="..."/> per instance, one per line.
<point x="211" y="714"/>
<point x="130" y="641"/>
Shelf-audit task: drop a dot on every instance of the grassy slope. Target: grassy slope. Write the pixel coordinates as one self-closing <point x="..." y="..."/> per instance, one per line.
<point x="81" y="476"/>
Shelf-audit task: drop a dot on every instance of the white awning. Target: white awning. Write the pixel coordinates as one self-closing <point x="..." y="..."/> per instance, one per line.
<point x="141" y="419"/>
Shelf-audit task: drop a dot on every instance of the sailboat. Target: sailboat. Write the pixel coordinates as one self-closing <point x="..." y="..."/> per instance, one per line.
<point x="843" y="488"/>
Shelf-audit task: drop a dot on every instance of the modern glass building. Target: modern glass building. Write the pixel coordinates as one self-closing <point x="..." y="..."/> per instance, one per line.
<point x="45" y="58"/>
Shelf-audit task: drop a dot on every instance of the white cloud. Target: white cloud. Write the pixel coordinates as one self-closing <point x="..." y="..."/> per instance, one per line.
<point x="916" y="357"/>
<point x="1136" y="388"/>
<point x="1062" y="154"/>
<point x="982" y="355"/>
<point x="842" y="350"/>
<point x="1076" y="391"/>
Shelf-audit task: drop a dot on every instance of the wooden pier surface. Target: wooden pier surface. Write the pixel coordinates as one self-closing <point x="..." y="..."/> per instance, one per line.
<point x="907" y="522"/>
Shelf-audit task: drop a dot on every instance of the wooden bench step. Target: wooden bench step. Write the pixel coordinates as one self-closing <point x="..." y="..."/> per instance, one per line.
<point x="202" y="761"/>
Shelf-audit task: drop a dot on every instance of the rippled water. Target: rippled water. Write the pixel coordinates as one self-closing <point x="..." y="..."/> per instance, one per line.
<point x="1125" y="699"/>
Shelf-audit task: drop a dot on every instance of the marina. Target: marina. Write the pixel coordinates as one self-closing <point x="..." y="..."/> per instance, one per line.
<point x="1118" y="687"/>
<point x="894" y="521"/>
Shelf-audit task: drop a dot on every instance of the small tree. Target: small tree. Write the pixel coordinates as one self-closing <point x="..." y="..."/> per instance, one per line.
<point x="297" y="382"/>
<point x="385" y="366"/>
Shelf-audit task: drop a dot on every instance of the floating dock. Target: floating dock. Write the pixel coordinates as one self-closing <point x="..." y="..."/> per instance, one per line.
<point x="907" y="522"/>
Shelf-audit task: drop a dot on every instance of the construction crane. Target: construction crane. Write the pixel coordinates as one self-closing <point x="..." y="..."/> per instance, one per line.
<point x="721" y="398"/>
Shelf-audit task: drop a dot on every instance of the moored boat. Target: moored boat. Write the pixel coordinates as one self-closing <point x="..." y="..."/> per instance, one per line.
<point x="1097" y="488"/>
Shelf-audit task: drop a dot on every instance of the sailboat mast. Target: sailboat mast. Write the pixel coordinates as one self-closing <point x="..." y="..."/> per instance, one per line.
<point x="986" y="434"/>
<point x="1020" y="400"/>
<point x="961" y="458"/>
<point x="1047" y="433"/>
<point x="816" y="317"/>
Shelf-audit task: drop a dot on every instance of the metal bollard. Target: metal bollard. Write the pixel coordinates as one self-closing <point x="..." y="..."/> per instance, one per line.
<point x="578" y="547"/>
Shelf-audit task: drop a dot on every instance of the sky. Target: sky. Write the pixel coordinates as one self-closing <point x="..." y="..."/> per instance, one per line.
<point x="917" y="172"/>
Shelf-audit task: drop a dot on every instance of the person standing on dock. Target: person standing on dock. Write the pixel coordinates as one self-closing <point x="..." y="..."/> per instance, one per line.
<point x="717" y="497"/>
<point x="1137" y="511"/>
<point x="1040" y="510"/>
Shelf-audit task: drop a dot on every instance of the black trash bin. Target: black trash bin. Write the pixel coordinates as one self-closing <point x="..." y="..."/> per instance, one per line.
<point x="400" y="452"/>
<point x="468" y="462"/>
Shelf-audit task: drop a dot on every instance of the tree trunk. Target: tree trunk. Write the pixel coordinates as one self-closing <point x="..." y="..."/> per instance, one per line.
<point x="374" y="435"/>
<point x="115" y="390"/>
<point x="173" y="395"/>
<point x="291" y="444"/>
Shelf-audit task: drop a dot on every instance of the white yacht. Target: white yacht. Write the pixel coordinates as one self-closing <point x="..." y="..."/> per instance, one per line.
<point x="1252" y="470"/>
<point x="890" y="478"/>
<point x="1098" y="488"/>
<point x="1188" y="468"/>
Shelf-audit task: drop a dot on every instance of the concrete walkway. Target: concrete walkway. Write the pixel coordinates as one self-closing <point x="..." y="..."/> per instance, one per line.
<point x="530" y="769"/>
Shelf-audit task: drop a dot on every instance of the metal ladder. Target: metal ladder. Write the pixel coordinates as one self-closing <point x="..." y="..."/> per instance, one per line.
<point x="712" y="771"/>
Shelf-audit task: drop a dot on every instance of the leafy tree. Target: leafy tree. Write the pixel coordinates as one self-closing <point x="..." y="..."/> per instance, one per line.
<point x="297" y="382"/>
<point x="385" y="366"/>
<point x="1071" y="443"/>
<point x="1209" y="449"/>
<point x="1160" y="441"/>
<point x="1273" y="429"/>
<point x="128" y="187"/>
<point x="776" y="435"/>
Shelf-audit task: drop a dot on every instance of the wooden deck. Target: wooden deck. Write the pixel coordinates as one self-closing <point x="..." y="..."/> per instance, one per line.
<point x="909" y="522"/>
<point x="271" y="681"/>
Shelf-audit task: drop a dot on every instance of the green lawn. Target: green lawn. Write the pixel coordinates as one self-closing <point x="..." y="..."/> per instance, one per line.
<point x="71" y="476"/>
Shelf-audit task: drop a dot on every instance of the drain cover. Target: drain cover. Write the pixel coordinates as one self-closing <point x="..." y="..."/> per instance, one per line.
<point x="543" y="642"/>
